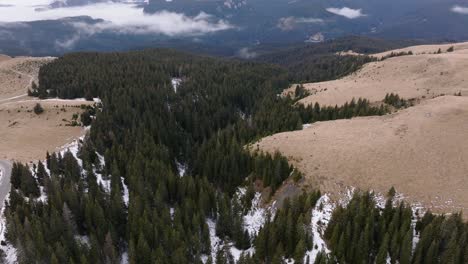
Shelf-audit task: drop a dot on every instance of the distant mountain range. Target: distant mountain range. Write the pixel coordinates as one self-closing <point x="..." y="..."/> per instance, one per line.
<point x="254" y="24"/>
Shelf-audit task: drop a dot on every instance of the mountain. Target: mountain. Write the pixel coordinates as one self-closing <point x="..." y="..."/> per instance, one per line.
<point x="170" y="170"/>
<point x="245" y="24"/>
<point x="296" y="21"/>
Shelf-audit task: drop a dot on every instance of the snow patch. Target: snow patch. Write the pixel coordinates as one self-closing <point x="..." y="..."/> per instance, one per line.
<point x="321" y="215"/>
<point x="253" y="221"/>
<point x="126" y="196"/>
<point x="172" y="212"/>
<point x="74" y="148"/>
<point x="256" y="216"/>
<point x="347" y="196"/>
<point x="217" y="244"/>
<point x="124" y="258"/>
<point x="105" y="183"/>
<point x="176" y="83"/>
<point x="43" y="197"/>
<point x="215" y="241"/>
<point x="9" y="250"/>
<point x="181" y="169"/>
<point x="83" y="240"/>
<point x="418" y="211"/>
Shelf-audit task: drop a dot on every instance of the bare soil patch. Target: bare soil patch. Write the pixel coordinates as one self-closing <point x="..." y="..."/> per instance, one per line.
<point x="422" y="151"/>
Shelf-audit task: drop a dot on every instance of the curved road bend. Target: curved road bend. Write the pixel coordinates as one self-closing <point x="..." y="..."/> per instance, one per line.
<point x="5" y="173"/>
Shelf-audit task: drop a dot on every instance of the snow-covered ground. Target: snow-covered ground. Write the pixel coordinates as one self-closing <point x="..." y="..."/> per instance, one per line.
<point x="124" y="258"/>
<point x="104" y="182"/>
<point x="254" y="219"/>
<point x="217" y="243"/>
<point x="181" y="168"/>
<point x="9" y="250"/>
<point x="126" y="195"/>
<point x="215" y="240"/>
<point x="256" y="216"/>
<point x="176" y="83"/>
<point x="321" y="216"/>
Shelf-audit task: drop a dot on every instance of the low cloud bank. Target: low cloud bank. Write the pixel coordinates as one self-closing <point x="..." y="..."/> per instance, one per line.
<point x="346" y="12"/>
<point x="289" y="23"/>
<point x="460" y="10"/>
<point x="246" y="53"/>
<point x="118" y="17"/>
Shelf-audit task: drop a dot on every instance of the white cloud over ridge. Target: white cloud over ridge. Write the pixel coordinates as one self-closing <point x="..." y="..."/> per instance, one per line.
<point x="246" y="53"/>
<point x="289" y="23"/>
<point x="346" y="12"/>
<point x="118" y="17"/>
<point x="460" y="10"/>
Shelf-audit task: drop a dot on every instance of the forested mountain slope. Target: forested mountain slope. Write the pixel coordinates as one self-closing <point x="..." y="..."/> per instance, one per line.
<point x="322" y="61"/>
<point x="164" y="175"/>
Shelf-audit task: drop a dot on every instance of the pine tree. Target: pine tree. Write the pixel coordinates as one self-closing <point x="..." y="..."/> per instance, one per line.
<point x="382" y="254"/>
<point x="406" y="247"/>
<point x="41" y="173"/>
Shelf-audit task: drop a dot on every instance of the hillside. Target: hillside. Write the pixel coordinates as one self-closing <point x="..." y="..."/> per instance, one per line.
<point x="26" y="135"/>
<point x="164" y="175"/>
<point x="420" y="76"/>
<point x="17" y="74"/>
<point x="422" y="151"/>
<point x="314" y="62"/>
<point x="461" y="47"/>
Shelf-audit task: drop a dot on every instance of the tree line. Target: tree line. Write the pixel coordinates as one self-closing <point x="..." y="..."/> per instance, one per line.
<point x="144" y="130"/>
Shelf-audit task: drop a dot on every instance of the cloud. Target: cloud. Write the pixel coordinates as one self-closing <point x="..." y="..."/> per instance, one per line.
<point x="164" y="22"/>
<point x="68" y="43"/>
<point x="26" y="2"/>
<point x="346" y="12"/>
<point x="246" y="53"/>
<point x="460" y="10"/>
<point x="289" y="23"/>
<point x="118" y="17"/>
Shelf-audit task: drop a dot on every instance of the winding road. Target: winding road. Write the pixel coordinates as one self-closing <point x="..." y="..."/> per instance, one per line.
<point x="5" y="173"/>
